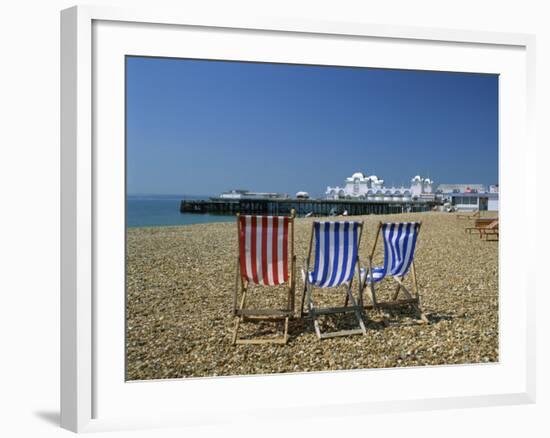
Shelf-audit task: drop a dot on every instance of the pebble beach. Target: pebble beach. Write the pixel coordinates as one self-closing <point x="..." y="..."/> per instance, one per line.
<point x="180" y="282"/>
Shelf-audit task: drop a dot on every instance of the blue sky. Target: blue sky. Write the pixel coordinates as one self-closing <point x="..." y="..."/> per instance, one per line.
<point x="202" y="127"/>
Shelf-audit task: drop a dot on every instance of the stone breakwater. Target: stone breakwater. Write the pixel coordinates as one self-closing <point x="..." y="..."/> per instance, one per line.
<point x="180" y="282"/>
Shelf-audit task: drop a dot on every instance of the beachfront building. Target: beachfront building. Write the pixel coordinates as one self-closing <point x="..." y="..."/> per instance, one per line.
<point x="469" y="197"/>
<point x="461" y="188"/>
<point x="370" y="188"/>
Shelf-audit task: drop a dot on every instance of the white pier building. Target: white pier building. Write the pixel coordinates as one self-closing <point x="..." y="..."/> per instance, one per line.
<point x="362" y="187"/>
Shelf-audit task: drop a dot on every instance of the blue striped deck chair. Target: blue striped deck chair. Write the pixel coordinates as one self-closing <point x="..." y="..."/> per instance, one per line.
<point x="400" y="240"/>
<point x="336" y="262"/>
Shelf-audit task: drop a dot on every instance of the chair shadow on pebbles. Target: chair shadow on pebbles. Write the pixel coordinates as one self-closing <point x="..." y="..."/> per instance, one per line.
<point x="404" y="316"/>
<point x="376" y="320"/>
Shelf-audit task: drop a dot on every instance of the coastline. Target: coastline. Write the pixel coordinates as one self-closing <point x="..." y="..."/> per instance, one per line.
<point x="180" y="280"/>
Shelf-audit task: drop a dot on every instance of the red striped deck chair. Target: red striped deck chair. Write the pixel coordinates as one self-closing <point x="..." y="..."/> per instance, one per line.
<point x="266" y="258"/>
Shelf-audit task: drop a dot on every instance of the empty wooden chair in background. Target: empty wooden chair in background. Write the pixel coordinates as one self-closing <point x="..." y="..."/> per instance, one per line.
<point x="490" y="232"/>
<point x="484" y="228"/>
<point x="473" y="215"/>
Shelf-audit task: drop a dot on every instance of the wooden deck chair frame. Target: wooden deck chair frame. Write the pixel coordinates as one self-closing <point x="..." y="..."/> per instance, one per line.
<point x="482" y="229"/>
<point x="356" y="308"/>
<point x="242" y="314"/>
<point x="489" y="231"/>
<point x="474" y="214"/>
<point x="411" y="298"/>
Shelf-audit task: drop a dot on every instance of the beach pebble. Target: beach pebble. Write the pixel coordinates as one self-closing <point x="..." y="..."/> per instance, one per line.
<point x="180" y="282"/>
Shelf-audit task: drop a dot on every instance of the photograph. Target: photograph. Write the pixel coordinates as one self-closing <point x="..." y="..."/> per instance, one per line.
<point x="291" y="218"/>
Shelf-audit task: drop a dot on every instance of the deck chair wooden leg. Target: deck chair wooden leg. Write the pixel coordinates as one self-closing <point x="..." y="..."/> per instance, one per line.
<point x="243" y="302"/>
<point x="316" y="326"/>
<point x="406" y="291"/>
<point x="372" y="291"/>
<point x="236" y="329"/>
<point x="311" y="311"/>
<point x="396" y="293"/>
<point x="305" y="272"/>
<point x="290" y="300"/>
<point x="375" y="305"/>
<point x="238" y="275"/>
<point x="292" y="285"/>
<point x="303" y="300"/>
<point x="370" y="286"/>
<point x="413" y="301"/>
<point x="357" y="312"/>
<point x="369" y="294"/>
<point x="346" y="299"/>
<point x="369" y="289"/>
<point x="394" y="298"/>
<point x="415" y="305"/>
<point x="415" y="282"/>
<point x="417" y="293"/>
<point x="309" y="300"/>
<point x="360" y="285"/>
<point x="239" y="318"/>
<point x="421" y="313"/>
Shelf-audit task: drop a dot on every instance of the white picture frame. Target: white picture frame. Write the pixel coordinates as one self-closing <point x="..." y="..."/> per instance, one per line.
<point x="92" y="41"/>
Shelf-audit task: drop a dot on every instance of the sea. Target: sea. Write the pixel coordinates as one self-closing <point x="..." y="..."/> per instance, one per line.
<point x="164" y="210"/>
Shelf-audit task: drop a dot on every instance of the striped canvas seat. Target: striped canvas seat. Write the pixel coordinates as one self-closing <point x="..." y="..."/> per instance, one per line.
<point x="335" y="253"/>
<point x="400" y="241"/>
<point x="399" y="245"/>
<point x="336" y="259"/>
<point x="265" y="258"/>
<point x="263" y="249"/>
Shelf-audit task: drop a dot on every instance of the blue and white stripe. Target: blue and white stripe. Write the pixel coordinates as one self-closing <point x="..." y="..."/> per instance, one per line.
<point x="336" y="245"/>
<point x="399" y="245"/>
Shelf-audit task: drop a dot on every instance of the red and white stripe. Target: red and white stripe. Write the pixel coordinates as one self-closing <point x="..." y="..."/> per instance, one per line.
<point x="263" y="245"/>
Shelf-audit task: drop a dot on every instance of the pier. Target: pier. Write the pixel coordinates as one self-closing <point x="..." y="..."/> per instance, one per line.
<point x="313" y="207"/>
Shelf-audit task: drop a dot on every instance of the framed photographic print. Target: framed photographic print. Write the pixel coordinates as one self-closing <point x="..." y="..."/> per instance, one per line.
<point x="252" y="208"/>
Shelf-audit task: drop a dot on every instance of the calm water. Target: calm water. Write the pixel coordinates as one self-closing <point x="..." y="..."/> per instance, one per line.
<point x="163" y="211"/>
